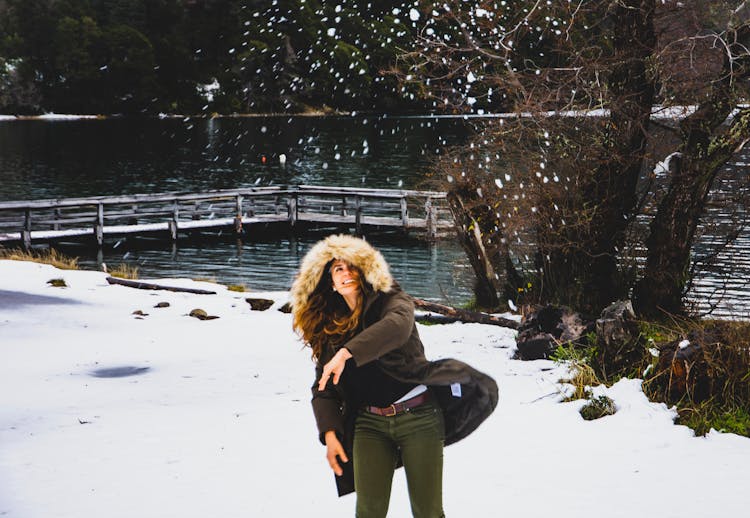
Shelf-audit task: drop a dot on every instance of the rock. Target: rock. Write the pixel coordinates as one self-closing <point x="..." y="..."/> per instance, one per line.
<point x="616" y="324"/>
<point x="286" y="308"/>
<point x="546" y="319"/>
<point x="139" y="313"/>
<point x="201" y="315"/>
<point x="572" y="327"/>
<point x="620" y="349"/>
<point x="535" y="347"/>
<point x="543" y="330"/>
<point x="162" y="305"/>
<point x="259" y="304"/>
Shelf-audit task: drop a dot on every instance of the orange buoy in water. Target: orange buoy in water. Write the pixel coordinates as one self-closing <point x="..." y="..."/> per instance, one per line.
<point x="263" y="159"/>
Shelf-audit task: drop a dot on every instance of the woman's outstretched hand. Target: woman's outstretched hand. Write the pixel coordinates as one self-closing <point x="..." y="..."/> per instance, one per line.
<point x="334" y="367"/>
<point x="334" y="449"/>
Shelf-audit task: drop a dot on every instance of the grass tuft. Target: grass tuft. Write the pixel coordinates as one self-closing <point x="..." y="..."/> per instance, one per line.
<point x="57" y="283"/>
<point x="706" y="416"/>
<point x="239" y="288"/>
<point x="48" y="256"/>
<point x="124" y="271"/>
<point x="582" y="375"/>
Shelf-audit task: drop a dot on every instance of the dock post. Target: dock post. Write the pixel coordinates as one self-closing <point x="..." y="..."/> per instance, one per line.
<point x="343" y="205"/>
<point x="358" y="214"/>
<point x="238" y="218"/>
<point x="26" y="233"/>
<point x="404" y="215"/>
<point x="134" y="219"/>
<point x="173" y="221"/>
<point x="431" y="221"/>
<point x="292" y="209"/>
<point x="99" y="225"/>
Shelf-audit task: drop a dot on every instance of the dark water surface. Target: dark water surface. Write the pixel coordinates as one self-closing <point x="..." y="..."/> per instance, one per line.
<point x="71" y="158"/>
<point x="49" y="159"/>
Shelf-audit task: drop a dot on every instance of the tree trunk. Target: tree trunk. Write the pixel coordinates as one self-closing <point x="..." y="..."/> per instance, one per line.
<point x="706" y="146"/>
<point x="489" y="283"/>
<point x="672" y="231"/>
<point x="613" y="188"/>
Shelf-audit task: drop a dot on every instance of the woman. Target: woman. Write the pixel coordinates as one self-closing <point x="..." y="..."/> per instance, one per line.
<point x="378" y="402"/>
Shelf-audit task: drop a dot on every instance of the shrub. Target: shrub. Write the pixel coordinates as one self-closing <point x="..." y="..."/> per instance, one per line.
<point x="705" y="372"/>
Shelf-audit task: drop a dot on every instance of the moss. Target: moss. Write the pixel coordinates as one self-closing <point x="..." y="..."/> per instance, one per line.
<point x="704" y="417"/>
<point x="657" y="333"/>
<point x="597" y="408"/>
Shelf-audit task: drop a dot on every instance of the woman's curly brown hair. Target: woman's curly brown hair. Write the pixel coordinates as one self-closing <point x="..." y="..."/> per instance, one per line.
<point x="326" y="320"/>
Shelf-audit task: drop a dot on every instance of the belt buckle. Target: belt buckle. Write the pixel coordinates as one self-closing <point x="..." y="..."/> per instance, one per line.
<point x="394" y="411"/>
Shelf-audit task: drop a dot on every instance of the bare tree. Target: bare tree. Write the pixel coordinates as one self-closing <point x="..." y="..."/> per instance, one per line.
<point x="560" y="184"/>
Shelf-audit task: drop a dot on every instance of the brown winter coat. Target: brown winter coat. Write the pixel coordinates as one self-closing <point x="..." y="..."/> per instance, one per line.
<point x="388" y="335"/>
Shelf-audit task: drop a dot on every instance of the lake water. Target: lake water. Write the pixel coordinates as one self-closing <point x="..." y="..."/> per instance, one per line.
<point x="50" y="159"/>
<point x="69" y="158"/>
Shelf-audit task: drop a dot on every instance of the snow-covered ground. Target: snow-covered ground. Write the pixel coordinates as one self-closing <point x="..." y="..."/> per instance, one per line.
<point x="214" y="419"/>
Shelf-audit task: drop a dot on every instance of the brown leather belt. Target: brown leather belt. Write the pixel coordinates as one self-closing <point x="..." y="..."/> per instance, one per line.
<point x="403" y="406"/>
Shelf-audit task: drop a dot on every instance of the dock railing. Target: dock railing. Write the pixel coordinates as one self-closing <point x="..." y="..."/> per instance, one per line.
<point x="424" y="212"/>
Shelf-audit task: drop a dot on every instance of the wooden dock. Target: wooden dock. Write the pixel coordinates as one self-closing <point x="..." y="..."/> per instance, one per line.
<point x="172" y="214"/>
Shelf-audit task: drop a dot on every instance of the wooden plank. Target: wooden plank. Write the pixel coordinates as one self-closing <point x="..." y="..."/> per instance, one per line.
<point x="93" y="201"/>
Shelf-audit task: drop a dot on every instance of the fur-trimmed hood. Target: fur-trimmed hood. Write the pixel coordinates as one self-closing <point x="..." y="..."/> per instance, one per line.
<point x="354" y="250"/>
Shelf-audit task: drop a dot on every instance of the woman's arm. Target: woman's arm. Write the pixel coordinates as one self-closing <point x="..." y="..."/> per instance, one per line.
<point x="335" y="449"/>
<point x="391" y="331"/>
<point x="334" y="367"/>
<point x="326" y="405"/>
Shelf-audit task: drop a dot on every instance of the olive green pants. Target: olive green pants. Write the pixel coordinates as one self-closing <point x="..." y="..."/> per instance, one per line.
<point x="418" y="436"/>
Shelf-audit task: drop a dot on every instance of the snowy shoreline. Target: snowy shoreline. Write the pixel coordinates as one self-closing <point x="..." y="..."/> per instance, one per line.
<point x="107" y="412"/>
<point x="658" y="112"/>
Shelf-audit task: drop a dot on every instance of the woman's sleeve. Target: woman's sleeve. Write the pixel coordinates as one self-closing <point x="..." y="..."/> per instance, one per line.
<point x="326" y="406"/>
<point x="390" y="332"/>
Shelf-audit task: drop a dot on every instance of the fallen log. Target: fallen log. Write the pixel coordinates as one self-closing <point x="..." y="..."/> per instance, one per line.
<point x="430" y="318"/>
<point x="465" y="315"/>
<point x="149" y="286"/>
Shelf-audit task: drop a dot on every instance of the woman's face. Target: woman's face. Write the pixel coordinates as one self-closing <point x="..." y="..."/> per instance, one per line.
<point x="345" y="278"/>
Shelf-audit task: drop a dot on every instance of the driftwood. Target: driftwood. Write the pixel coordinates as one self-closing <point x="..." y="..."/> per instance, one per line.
<point x="149" y="286"/>
<point x="464" y="315"/>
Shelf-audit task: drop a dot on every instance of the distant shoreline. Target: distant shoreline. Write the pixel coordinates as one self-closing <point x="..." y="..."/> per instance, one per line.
<point x="65" y="116"/>
<point x="658" y="112"/>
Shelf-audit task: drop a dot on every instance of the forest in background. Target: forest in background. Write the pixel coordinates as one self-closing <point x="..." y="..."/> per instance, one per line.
<point x="203" y="56"/>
